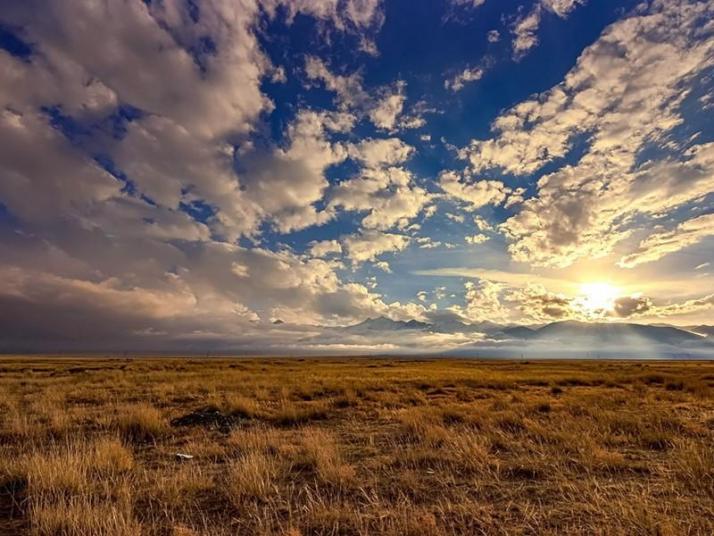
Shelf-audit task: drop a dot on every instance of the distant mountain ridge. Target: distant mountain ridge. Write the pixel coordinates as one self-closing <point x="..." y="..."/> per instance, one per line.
<point x="582" y="333"/>
<point x="387" y="324"/>
<point x="614" y="332"/>
<point x="707" y="331"/>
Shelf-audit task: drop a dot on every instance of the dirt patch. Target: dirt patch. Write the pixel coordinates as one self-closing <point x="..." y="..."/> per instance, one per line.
<point x="209" y="417"/>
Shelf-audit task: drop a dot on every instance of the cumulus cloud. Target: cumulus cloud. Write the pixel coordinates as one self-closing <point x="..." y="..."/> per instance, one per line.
<point x="662" y="243"/>
<point x="525" y="28"/>
<point x="286" y="182"/>
<point x="348" y="88"/>
<point x="481" y="223"/>
<point x="388" y="108"/>
<point x="475" y="194"/>
<point x="144" y="183"/>
<point x="469" y="3"/>
<point x="624" y="92"/>
<point x="323" y="248"/>
<point x="686" y="307"/>
<point x="384" y="107"/>
<point x="524" y="32"/>
<point x="476" y="239"/>
<point x="632" y="305"/>
<point x="368" y="245"/>
<point x="389" y="196"/>
<point x="458" y="82"/>
<point x="167" y="275"/>
<point x="376" y="153"/>
<point x="195" y="99"/>
<point x="344" y="15"/>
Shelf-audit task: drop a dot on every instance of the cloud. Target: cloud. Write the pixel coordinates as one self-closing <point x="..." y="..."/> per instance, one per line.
<point x="524" y="32"/>
<point x="562" y="8"/>
<point x="482" y="302"/>
<point x="384" y="266"/>
<point x="662" y="243"/>
<point x="632" y="305"/>
<point x="198" y="97"/>
<point x="184" y="98"/>
<point x="526" y="26"/>
<point x="344" y="15"/>
<point x="469" y="3"/>
<point x="368" y="245"/>
<point x="537" y="304"/>
<point x="625" y="92"/>
<point x="476" y="239"/>
<point x="389" y="196"/>
<point x="376" y="153"/>
<point x="146" y="181"/>
<point x="510" y="278"/>
<point x="348" y="88"/>
<point x="286" y="182"/>
<point x="324" y="248"/>
<point x="384" y="107"/>
<point x="482" y="224"/>
<point x="153" y="40"/>
<point x="475" y="194"/>
<point x="389" y="107"/>
<point x="686" y="307"/>
<point x="385" y="192"/>
<point x="458" y="82"/>
<point x="61" y="184"/>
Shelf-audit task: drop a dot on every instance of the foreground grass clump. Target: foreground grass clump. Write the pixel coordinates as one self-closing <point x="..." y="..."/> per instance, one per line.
<point x="141" y="423"/>
<point x="354" y="446"/>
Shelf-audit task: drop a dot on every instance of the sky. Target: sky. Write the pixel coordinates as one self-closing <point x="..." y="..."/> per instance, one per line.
<point x="250" y="175"/>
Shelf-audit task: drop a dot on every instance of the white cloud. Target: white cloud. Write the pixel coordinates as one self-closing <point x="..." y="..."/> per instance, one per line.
<point x="389" y="196"/>
<point x="279" y="76"/>
<point x="384" y="107"/>
<point x="624" y="92"/>
<point x="662" y="243"/>
<point x="458" y="218"/>
<point x="348" y="88"/>
<point x="482" y="224"/>
<point x="60" y="184"/>
<point x="474" y="193"/>
<point x="375" y="153"/>
<point x="476" y="239"/>
<point x="162" y="276"/>
<point x="368" y="245"/>
<point x="468" y="3"/>
<point x="324" y="248"/>
<point x="286" y="182"/>
<point x="526" y="27"/>
<point x="562" y="8"/>
<point x="458" y="82"/>
<point x="196" y="106"/>
<point x="388" y="108"/>
<point x="524" y="32"/>
<point x="345" y="15"/>
<point x="384" y="266"/>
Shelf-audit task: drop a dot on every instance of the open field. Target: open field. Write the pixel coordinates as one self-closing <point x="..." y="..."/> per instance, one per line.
<point x="355" y="446"/>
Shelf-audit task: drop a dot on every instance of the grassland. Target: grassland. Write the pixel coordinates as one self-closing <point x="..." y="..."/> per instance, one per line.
<point x="354" y="446"/>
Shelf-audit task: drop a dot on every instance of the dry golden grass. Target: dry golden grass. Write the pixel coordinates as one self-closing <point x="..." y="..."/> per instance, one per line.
<point x="354" y="446"/>
<point x="141" y="423"/>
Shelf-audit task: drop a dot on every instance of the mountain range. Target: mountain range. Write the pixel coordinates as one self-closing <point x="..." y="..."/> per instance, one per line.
<point x="581" y="337"/>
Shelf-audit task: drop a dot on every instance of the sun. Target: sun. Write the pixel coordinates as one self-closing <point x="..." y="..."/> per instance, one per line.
<point x="598" y="297"/>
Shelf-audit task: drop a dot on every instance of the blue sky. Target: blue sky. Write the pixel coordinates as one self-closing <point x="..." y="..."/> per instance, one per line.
<point x="190" y="172"/>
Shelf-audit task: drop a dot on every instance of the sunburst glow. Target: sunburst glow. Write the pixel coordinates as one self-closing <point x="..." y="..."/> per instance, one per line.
<point x="598" y="297"/>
